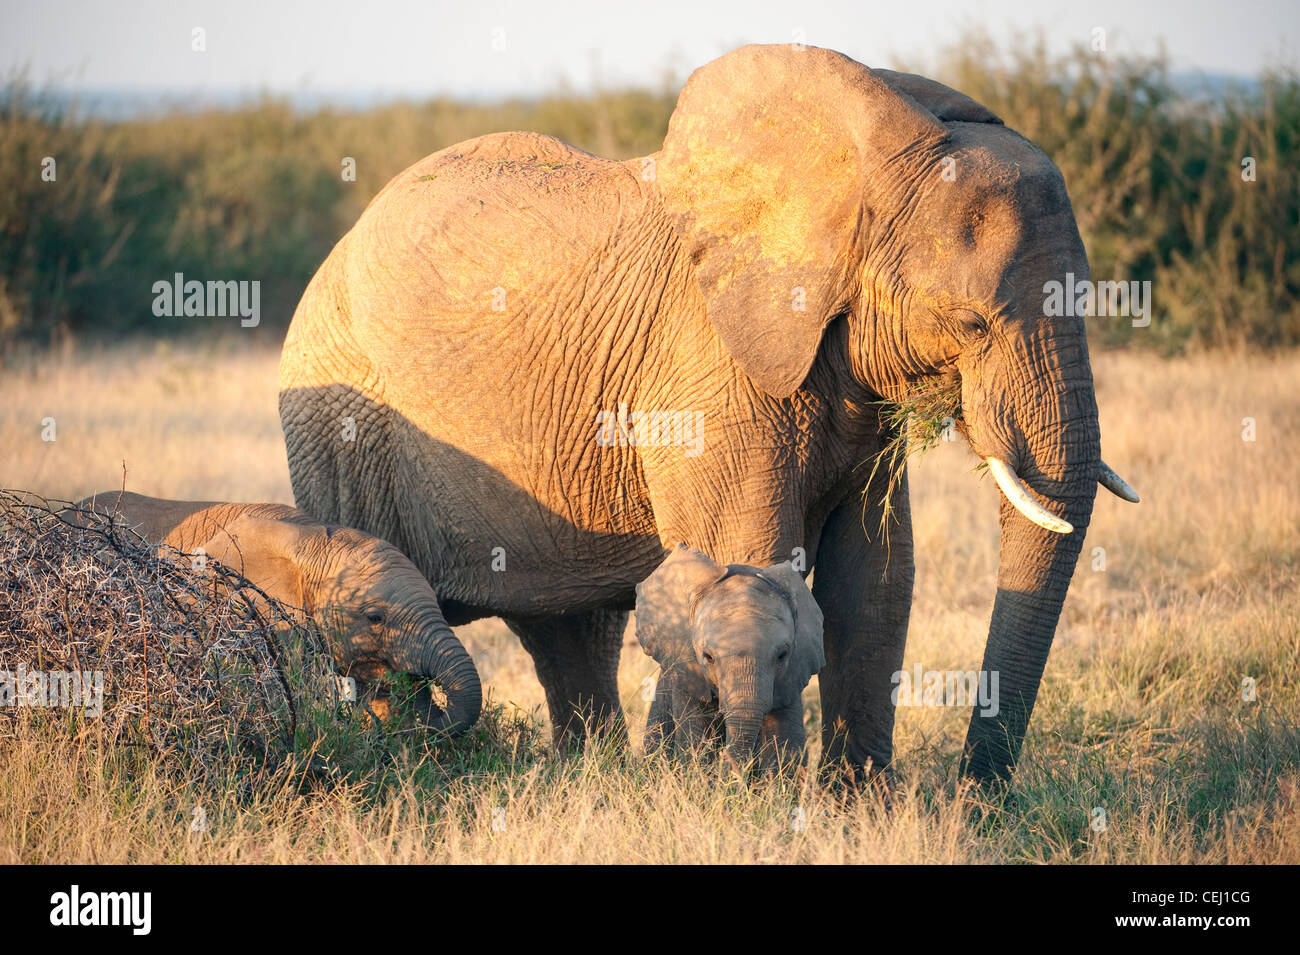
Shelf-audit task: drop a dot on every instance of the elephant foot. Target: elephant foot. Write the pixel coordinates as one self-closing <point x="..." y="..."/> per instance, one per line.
<point x="576" y="658"/>
<point x="849" y="781"/>
<point x="601" y="725"/>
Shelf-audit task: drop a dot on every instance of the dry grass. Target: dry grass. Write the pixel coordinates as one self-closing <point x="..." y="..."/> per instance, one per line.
<point x="1142" y="713"/>
<point x="197" y="421"/>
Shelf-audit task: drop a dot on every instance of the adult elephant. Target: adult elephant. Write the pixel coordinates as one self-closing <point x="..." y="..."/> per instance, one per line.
<point x="534" y="370"/>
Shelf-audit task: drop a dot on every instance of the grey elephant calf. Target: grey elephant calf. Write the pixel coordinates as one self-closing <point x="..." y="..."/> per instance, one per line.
<point x="736" y="646"/>
<point x="360" y="589"/>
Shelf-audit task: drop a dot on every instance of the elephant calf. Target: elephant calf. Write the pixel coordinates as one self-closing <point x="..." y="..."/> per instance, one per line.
<point x="736" y="646"/>
<point x="362" y="591"/>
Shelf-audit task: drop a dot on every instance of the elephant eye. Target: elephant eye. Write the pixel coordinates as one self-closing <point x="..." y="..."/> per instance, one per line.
<point x="783" y="655"/>
<point x="708" y="657"/>
<point x="375" y="616"/>
<point x="970" y="322"/>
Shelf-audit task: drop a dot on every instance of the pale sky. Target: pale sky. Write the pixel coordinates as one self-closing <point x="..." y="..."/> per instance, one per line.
<point x="406" y="47"/>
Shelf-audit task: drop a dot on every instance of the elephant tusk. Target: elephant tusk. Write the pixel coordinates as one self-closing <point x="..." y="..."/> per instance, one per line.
<point x="1116" y="484"/>
<point x="1017" y="493"/>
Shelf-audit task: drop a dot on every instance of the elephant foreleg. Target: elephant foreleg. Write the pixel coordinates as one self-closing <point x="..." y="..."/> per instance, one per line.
<point x="679" y="718"/>
<point x="864" y="586"/>
<point x="783" y="738"/>
<point x="659" y="723"/>
<point x="576" y="658"/>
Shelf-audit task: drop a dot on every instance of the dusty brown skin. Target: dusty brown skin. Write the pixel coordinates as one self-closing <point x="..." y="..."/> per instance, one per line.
<point x="736" y="646"/>
<point x="792" y="255"/>
<point x="378" y="609"/>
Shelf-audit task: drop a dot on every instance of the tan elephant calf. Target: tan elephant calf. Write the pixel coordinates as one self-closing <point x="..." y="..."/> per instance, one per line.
<point x="356" y="586"/>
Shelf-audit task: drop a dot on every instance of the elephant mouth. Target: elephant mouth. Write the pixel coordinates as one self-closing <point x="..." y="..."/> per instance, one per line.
<point x="367" y="671"/>
<point x="388" y="700"/>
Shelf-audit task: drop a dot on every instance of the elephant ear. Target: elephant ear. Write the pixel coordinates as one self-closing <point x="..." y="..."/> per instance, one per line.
<point x="268" y="552"/>
<point x="664" y="602"/>
<point x="763" y="172"/>
<point x="808" y="656"/>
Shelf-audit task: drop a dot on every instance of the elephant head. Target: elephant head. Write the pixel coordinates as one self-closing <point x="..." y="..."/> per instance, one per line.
<point x="809" y="190"/>
<point x="378" y="610"/>
<point x="381" y="613"/>
<point x="742" y="640"/>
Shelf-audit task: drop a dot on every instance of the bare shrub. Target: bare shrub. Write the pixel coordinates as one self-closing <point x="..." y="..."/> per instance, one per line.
<point x="203" y="667"/>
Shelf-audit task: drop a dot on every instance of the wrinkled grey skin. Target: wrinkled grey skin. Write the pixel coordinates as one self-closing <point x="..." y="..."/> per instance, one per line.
<point x="736" y="646"/>
<point x="794" y="254"/>
<point x="377" y="608"/>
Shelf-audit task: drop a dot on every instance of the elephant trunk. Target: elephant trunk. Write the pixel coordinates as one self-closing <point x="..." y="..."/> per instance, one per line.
<point x="742" y="736"/>
<point x="1059" y="461"/>
<point x="744" y="702"/>
<point x="431" y="651"/>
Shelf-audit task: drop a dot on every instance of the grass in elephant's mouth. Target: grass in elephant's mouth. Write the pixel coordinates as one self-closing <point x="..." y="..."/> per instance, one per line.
<point x="930" y="413"/>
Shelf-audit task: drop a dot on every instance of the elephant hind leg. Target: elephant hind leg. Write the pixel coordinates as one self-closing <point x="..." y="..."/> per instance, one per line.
<point x="576" y="657"/>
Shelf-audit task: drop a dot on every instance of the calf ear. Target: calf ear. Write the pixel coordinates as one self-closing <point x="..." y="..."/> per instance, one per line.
<point x="807" y="656"/>
<point x="664" y="601"/>
<point x="268" y="552"/>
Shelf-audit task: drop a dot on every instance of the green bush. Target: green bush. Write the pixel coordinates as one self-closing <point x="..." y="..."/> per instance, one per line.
<point x="256" y="192"/>
<point x="1155" y="176"/>
<point x="250" y="193"/>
